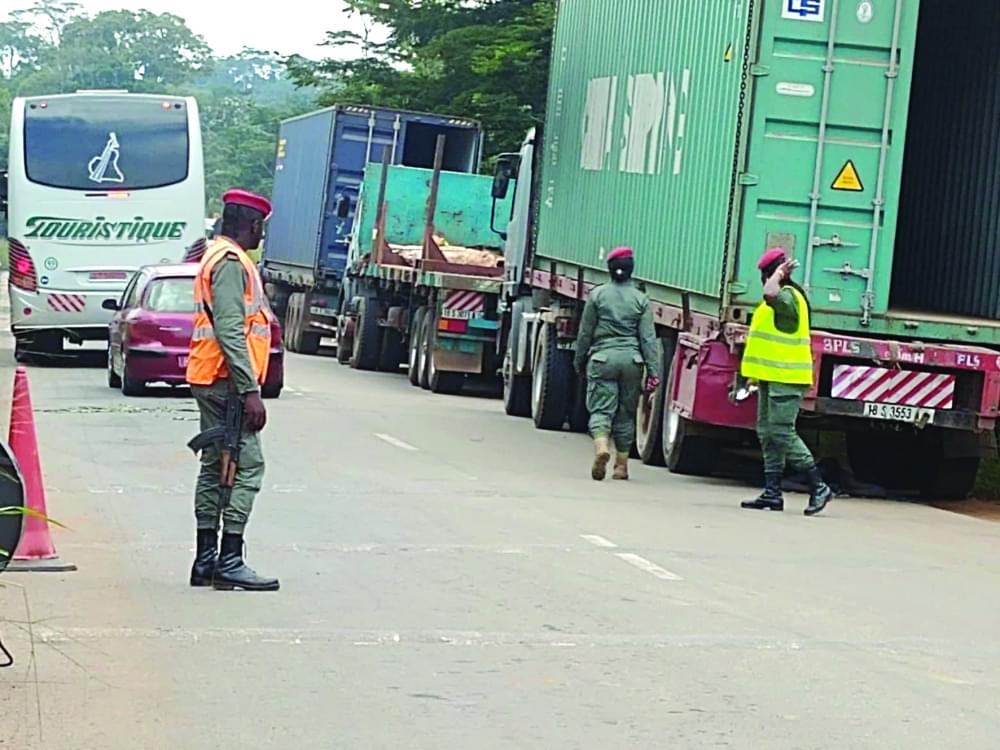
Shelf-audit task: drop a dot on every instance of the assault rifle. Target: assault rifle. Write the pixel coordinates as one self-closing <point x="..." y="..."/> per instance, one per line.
<point x="227" y="437"/>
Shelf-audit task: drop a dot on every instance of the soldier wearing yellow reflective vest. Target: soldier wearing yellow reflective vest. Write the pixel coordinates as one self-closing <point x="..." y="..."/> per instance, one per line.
<point x="230" y="350"/>
<point x="778" y="357"/>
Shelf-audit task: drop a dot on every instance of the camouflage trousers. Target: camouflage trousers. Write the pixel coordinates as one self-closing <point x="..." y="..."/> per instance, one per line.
<point x="208" y="502"/>
<point x="614" y="387"/>
<point x="777" y="412"/>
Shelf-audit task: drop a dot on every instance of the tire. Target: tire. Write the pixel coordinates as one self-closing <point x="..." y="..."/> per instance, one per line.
<point x="391" y="351"/>
<point x="130" y="387"/>
<point x="344" y="346"/>
<point x="552" y="381"/>
<point x="114" y="381"/>
<point x="272" y="391"/>
<point x="444" y="383"/>
<point x="684" y="453"/>
<point x="579" y="416"/>
<point x="366" y="336"/>
<point x="649" y="419"/>
<point x="516" y="390"/>
<point x="413" y="349"/>
<point x="426" y="351"/>
<point x="291" y="331"/>
<point x="912" y="461"/>
<point x="309" y="343"/>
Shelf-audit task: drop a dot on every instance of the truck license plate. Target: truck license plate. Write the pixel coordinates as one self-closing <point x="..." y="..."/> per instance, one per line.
<point x="897" y="413"/>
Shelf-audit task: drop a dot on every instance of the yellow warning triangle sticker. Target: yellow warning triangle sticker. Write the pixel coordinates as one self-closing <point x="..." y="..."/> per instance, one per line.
<point x="849" y="179"/>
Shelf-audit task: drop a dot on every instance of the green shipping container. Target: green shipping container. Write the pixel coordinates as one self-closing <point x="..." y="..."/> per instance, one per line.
<point x="703" y="133"/>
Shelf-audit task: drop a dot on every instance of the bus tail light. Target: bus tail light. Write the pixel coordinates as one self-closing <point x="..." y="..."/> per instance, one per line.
<point x="23" y="274"/>
<point x="194" y="253"/>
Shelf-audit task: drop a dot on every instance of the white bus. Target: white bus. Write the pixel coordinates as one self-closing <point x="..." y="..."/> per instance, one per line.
<point x="99" y="184"/>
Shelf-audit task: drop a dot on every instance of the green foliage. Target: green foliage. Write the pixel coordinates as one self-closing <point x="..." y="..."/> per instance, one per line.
<point x="485" y="59"/>
<point x="53" y="47"/>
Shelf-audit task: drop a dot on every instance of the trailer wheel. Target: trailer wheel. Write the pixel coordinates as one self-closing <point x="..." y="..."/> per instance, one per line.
<point x="579" y="416"/>
<point x="685" y="453"/>
<point x="551" y="381"/>
<point x="345" y="347"/>
<point x="292" y="324"/>
<point x="366" y="336"/>
<point x="426" y="352"/>
<point x="445" y="383"/>
<point x="516" y="390"/>
<point x="416" y="338"/>
<point x="391" y="350"/>
<point x="650" y="424"/>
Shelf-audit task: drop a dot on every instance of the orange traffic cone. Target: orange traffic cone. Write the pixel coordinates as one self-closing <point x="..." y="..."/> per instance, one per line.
<point x="35" y="553"/>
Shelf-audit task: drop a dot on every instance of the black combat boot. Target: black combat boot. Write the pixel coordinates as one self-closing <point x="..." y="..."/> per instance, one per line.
<point x="820" y="494"/>
<point x="232" y="573"/>
<point x="771" y="498"/>
<point x="206" y="557"/>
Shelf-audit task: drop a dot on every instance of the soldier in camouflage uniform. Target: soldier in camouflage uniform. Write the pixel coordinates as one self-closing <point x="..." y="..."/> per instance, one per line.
<point x="230" y="351"/>
<point x="617" y="340"/>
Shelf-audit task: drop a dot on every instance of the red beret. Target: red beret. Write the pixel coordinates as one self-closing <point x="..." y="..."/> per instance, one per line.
<point x="621" y="253"/>
<point x="248" y="199"/>
<point x="768" y="258"/>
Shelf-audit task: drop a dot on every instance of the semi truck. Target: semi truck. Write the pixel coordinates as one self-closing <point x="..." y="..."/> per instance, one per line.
<point x="424" y="276"/>
<point x="321" y="162"/>
<point x="860" y="137"/>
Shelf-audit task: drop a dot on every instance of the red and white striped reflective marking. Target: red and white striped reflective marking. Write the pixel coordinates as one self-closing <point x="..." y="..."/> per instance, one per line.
<point x="68" y="303"/>
<point x="459" y="304"/>
<point x="927" y="390"/>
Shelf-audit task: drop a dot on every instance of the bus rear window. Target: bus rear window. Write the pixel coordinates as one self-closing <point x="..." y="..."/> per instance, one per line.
<point x="106" y="143"/>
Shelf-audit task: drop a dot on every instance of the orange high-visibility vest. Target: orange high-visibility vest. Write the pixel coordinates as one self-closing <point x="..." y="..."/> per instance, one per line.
<point x="207" y="365"/>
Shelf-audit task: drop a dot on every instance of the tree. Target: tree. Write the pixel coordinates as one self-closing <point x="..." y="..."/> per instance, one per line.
<point x="485" y="59"/>
<point x="135" y="50"/>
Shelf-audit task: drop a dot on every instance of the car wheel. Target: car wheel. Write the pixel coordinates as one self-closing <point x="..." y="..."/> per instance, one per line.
<point x="271" y="390"/>
<point x="130" y="386"/>
<point x="114" y="381"/>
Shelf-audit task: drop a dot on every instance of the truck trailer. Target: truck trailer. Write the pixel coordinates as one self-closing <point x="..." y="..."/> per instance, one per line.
<point x="424" y="276"/>
<point x="862" y="137"/>
<point x="321" y="162"/>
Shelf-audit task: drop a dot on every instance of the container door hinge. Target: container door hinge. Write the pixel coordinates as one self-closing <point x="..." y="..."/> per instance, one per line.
<point x="748" y="180"/>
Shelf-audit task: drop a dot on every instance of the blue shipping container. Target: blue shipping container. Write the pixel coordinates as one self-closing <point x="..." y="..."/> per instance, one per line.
<point x="321" y="164"/>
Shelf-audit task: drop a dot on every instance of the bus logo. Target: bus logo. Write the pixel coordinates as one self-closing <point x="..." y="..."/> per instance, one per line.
<point x="104" y="168"/>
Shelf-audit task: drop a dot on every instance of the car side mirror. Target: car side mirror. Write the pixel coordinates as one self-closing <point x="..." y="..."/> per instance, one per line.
<point x="111" y="304"/>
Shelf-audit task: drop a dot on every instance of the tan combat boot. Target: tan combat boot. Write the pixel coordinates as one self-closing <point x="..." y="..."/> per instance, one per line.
<point x="602" y="456"/>
<point x="621" y="466"/>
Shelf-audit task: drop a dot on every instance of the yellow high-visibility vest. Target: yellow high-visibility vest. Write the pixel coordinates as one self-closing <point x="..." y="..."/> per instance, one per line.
<point x="773" y="356"/>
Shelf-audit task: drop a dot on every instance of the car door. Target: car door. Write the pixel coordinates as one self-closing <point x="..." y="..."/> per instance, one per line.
<point x="129" y="300"/>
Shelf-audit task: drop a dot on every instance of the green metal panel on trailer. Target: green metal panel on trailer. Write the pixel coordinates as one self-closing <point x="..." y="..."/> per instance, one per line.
<point x="463" y="209"/>
<point x="704" y="133"/>
<point x="640" y="139"/>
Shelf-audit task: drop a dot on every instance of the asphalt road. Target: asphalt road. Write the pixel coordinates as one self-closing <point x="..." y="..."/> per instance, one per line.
<point x="453" y="579"/>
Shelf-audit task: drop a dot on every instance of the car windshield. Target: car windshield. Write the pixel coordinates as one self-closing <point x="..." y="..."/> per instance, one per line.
<point x="171" y="295"/>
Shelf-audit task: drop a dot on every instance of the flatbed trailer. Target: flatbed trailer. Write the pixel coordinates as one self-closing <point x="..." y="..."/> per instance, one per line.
<point x="437" y="315"/>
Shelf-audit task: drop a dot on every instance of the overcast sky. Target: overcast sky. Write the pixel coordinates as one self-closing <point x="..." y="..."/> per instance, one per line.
<point x="285" y="26"/>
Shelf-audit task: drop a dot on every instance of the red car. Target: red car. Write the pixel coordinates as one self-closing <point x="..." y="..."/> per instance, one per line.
<point x="150" y="333"/>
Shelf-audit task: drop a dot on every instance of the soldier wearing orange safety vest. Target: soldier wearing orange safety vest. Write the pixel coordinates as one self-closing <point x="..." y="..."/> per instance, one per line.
<point x="230" y="349"/>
